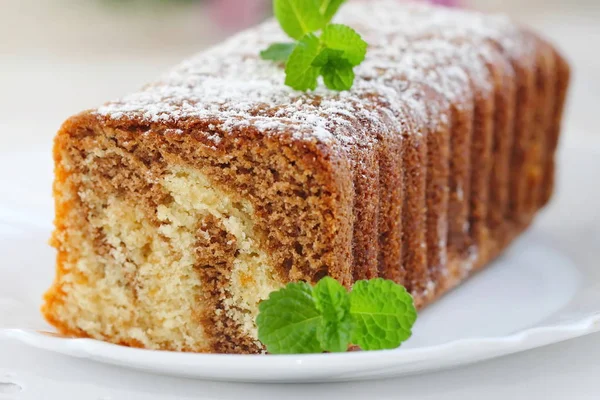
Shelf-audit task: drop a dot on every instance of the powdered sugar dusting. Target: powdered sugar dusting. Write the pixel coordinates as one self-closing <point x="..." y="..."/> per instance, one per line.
<point x="410" y="47"/>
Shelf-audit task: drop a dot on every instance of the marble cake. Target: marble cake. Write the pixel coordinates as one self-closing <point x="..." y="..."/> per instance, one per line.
<point x="182" y="206"/>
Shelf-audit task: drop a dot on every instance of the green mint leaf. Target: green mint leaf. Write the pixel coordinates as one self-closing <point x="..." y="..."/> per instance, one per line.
<point x="346" y="39"/>
<point x="325" y="56"/>
<point x="383" y="314"/>
<point x="338" y="74"/>
<point x="288" y="321"/>
<point x="300" y="74"/>
<point x="329" y="8"/>
<point x="333" y="302"/>
<point x="278" y="51"/>
<point x="299" y="17"/>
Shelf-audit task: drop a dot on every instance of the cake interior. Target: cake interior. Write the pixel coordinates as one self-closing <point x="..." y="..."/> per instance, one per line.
<point x="153" y="253"/>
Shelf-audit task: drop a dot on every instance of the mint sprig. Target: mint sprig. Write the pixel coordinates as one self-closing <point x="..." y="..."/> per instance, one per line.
<point x="278" y="51"/>
<point x="329" y="8"/>
<point x="293" y="330"/>
<point x="383" y="314"/>
<point x="300" y="73"/>
<point x="336" y="325"/>
<point x="332" y="55"/>
<point x="376" y="314"/>
<point x="298" y="17"/>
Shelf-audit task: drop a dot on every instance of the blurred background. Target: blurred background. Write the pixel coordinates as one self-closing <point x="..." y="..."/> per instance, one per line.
<point x="58" y="57"/>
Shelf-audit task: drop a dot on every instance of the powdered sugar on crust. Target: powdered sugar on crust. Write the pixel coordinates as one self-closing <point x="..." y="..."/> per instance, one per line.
<point x="409" y="45"/>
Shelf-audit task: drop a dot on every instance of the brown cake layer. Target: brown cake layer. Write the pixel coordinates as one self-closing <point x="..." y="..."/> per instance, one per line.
<point x="182" y="206"/>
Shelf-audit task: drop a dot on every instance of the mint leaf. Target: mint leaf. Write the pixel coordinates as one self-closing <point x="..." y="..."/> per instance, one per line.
<point x="383" y="314"/>
<point x="298" y="17"/>
<point x="333" y="302"/>
<point x="346" y="39"/>
<point x="338" y="74"/>
<point x="288" y="321"/>
<point x="329" y="8"/>
<point x="300" y="74"/>
<point x="337" y="71"/>
<point x="325" y="56"/>
<point x="278" y="51"/>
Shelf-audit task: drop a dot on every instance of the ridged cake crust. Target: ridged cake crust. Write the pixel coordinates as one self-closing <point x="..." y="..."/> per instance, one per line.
<point x="180" y="207"/>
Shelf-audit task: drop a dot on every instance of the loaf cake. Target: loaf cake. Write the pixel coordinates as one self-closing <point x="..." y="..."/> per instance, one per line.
<point x="182" y="206"/>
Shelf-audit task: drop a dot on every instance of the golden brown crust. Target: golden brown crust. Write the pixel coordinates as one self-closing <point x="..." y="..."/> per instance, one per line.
<point x="438" y="172"/>
<point x="365" y="245"/>
<point x="505" y="105"/>
<point x="524" y="127"/>
<point x="391" y="195"/>
<point x="481" y="147"/>
<point x="414" y="215"/>
<point x="460" y="177"/>
<point x="563" y="76"/>
<point x="546" y="96"/>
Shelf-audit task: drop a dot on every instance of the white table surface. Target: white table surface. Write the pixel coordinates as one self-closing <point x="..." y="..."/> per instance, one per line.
<point x="48" y="70"/>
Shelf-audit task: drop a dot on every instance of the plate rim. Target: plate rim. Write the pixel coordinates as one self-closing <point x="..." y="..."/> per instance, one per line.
<point x="339" y="362"/>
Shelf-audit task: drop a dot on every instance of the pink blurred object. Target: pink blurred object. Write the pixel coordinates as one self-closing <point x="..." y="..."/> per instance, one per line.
<point x="449" y="3"/>
<point x="238" y="14"/>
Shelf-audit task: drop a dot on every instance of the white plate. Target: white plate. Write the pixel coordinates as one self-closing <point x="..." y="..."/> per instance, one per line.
<point x="544" y="290"/>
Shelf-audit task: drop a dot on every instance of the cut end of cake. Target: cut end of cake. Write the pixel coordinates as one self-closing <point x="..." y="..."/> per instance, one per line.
<point x="160" y="256"/>
<point x="148" y="272"/>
